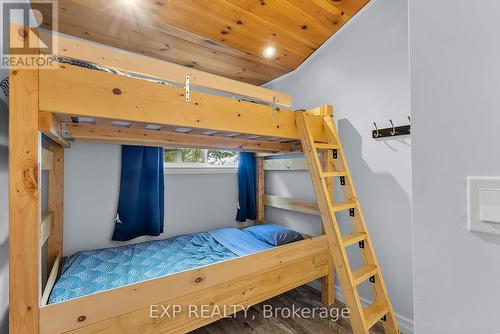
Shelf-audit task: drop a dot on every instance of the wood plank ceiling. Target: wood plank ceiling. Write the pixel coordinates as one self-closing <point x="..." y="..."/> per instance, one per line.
<point x="225" y="37"/>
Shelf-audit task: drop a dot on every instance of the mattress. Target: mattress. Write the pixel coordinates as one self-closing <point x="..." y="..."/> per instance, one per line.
<point x="92" y="271"/>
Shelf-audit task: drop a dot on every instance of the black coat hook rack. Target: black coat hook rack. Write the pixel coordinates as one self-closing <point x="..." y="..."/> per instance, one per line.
<point x="392" y="131"/>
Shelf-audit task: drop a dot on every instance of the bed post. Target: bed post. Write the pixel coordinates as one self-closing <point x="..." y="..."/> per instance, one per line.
<point x="24" y="198"/>
<point x="260" y="190"/>
<point x="56" y="204"/>
<point x="328" y="282"/>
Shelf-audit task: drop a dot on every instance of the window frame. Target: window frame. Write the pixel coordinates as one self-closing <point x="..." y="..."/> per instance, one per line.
<point x="179" y="167"/>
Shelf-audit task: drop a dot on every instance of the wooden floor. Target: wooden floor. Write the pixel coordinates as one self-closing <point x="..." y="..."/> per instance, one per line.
<point x="255" y="323"/>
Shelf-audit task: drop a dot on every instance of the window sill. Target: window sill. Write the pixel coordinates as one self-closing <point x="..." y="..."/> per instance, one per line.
<point x="183" y="169"/>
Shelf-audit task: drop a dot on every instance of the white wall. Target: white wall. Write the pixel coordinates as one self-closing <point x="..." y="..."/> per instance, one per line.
<point x="455" y="88"/>
<point x="364" y="72"/>
<point x="193" y="202"/>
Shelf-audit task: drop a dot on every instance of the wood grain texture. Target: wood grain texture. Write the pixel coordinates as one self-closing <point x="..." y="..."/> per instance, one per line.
<point x="47" y="159"/>
<point x="361" y="319"/>
<point x="382" y="304"/>
<point x="51" y="127"/>
<point x="56" y="205"/>
<point x="245" y="291"/>
<point x="137" y="64"/>
<point x="292" y="204"/>
<point x="261" y="186"/>
<point x="164" y="138"/>
<point x="331" y="228"/>
<point x="76" y="91"/>
<point x="24" y="202"/>
<point x="328" y="282"/>
<point x="104" y="306"/>
<point x="46" y="228"/>
<point x="224" y="37"/>
<point x="51" y="280"/>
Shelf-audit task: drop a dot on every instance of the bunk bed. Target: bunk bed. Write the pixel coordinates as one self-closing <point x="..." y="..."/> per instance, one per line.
<point x="144" y="101"/>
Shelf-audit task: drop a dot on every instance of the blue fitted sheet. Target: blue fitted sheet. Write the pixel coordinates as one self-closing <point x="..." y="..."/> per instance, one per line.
<point x="91" y="271"/>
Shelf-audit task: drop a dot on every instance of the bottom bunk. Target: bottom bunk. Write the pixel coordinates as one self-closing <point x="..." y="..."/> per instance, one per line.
<point x="202" y="276"/>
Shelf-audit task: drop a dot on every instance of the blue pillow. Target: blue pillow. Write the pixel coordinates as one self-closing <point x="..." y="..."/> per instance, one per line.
<point x="274" y="235"/>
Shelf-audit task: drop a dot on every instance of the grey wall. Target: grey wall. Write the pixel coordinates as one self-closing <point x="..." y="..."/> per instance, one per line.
<point x="364" y="72"/>
<point x="455" y="88"/>
<point x="193" y="202"/>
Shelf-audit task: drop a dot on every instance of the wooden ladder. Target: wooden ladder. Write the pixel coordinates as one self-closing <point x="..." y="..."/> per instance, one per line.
<point x="322" y="178"/>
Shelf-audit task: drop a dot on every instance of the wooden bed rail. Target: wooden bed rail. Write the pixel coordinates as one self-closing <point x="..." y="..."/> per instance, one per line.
<point x="46" y="228"/>
<point x="292" y="164"/>
<point x="80" y="92"/>
<point x="47" y="159"/>
<point x="137" y="136"/>
<point x="51" y="281"/>
<point x="40" y="98"/>
<point x="244" y="281"/>
<point x="292" y="204"/>
<point x="51" y="127"/>
<point x="128" y="62"/>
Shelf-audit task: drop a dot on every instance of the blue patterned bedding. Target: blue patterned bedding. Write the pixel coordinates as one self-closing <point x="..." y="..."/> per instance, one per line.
<point x="87" y="272"/>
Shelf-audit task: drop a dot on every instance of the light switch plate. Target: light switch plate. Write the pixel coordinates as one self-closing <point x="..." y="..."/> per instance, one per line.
<point x="483" y="201"/>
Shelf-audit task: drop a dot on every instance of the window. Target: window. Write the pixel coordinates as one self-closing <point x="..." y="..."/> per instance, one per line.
<point x="195" y="157"/>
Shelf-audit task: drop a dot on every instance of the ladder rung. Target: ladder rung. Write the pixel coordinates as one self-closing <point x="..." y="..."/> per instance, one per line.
<point x="343" y="206"/>
<point x="334" y="174"/>
<point x="352" y="238"/>
<point x="327" y="146"/>
<point x="364" y="273"/>
<point x="374" y="313"/>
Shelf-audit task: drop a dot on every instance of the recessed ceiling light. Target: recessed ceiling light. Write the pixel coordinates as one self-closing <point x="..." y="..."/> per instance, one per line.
<point x="129" y="2"/>
<point x="269" y="51"/>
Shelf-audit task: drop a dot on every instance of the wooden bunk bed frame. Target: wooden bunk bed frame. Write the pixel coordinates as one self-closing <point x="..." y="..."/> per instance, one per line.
<point x="45" y="100"/>
<point x="77" y="103"/>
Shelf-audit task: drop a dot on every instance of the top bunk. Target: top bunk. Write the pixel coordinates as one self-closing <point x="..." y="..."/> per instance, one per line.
<point x="96" y="93"/>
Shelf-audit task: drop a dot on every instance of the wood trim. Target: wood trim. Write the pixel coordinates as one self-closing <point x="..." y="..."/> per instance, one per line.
<point x="328" y="282"/>
<point x="296" y="164"/>
<point x="245" y="291"/>
<point x="77" y="91"/>
<point x="47" y="159"/>
<point x="131" y="136"/>
<point x="62" y="317"/>
<point x="48" y="124"/>
<point x="261" y="179"/>
<point x="24" y="202"/>
<point x="154" y="68"/>
<point x="56" y="204"/>
<point x="292" y="204"/>
<point x="46" y="228"/>
<point x="51" y="281"/>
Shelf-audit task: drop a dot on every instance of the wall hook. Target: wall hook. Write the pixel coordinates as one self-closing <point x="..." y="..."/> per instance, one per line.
<point x="393" y="132"/>
<point x="375" y="133"/>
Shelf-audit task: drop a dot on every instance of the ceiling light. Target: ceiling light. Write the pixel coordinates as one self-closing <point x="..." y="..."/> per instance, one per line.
<point x="269" y="52"/>
<point x="128" y="2"/>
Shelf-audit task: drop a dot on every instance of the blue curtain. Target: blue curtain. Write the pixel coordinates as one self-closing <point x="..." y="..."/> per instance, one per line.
<point x="141" y="200"/>
<point x="246" y="185"/>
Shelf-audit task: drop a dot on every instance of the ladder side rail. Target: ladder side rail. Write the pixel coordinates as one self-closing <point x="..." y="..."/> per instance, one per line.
<point x="330" y="225"/>
<point x="368" y="253"/>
